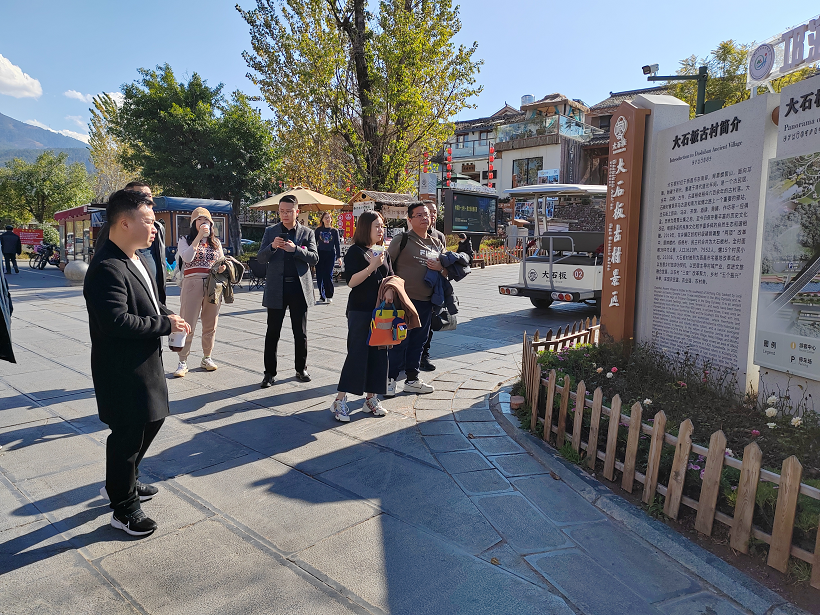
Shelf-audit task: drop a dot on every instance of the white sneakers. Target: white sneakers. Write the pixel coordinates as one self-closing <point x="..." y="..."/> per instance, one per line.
<point x="340" y="410"/>
<point x="391" y="387"/>
<point x="342" y="413"/>
<point x="418" y="386"/>
<point x="207" y="364"/>
<point x="374" y="406"/>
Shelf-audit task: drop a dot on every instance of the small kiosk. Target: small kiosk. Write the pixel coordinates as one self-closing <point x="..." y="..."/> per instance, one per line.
<point x="174" y="213"/>
<point x="79" y="227"/>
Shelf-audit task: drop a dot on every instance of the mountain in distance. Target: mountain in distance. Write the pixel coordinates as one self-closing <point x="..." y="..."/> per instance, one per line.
<point x="21" y="140"/>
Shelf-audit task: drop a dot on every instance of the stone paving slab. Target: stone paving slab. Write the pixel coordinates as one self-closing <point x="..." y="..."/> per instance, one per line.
<point x="284" y="506"/>
<point x="573" y="572"/>
<point x="425" y="575"/>
<point x="25" y="447"/>
<point x="633" y="562"/>
<point x="250" y="581"/>
<point x="467" y="461"/>
<point x="556" y="500"/>
<point x="519" y="464"/>
<point x="497" y="445"/>
<point x="448" y="442"/>
<point x="438" y="428"/>
<point x="523" y="527"/>
<point x="480" y="429"/>
<point x="471" y="415"/>
<point x="60" y="582"/>
<point x="419" y="495"/>
<point x="481" y="482"/>
<point x="700" y="604"/>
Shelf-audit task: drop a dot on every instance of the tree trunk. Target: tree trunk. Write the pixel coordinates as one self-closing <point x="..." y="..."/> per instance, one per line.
<point x="234" y="230"/>
<point x="370" y="129"/>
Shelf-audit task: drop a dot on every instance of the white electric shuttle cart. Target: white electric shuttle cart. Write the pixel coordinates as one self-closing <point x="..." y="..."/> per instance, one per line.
<point x="565" y="265"/>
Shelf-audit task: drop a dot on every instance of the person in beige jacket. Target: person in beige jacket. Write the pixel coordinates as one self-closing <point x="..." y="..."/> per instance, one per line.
<point x="198" y="252"/>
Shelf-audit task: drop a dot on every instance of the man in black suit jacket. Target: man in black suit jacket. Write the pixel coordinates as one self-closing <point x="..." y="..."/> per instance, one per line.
<point x="289" y="251"/>
<point x="127" y="321"/>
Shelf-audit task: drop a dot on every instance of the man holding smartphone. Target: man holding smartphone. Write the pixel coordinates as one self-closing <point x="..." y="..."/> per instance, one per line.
<point x="289" y="251"/>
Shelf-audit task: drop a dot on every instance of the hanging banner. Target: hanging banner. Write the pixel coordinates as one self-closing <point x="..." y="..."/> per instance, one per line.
<point x="623" y="213"/>
<point x="348" y="223"/>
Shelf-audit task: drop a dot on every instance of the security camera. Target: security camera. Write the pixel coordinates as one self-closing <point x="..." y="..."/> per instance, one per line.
<point x="650" y="69"/>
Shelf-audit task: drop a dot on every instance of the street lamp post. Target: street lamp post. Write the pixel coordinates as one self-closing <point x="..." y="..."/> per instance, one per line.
<point x="701" y="78"/>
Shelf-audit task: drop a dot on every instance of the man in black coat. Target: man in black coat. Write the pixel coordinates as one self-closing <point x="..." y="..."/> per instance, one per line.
<point x="155" y="254"/>
<point x="10" y="243"/>
<point x="127" y="321"/>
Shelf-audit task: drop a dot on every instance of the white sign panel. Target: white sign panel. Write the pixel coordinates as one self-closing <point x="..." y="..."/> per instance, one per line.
<point x="799" y="119"/>
<point x="705" y="220"/>
<point x="360" y="208"/>
<point x="427" y="183"/>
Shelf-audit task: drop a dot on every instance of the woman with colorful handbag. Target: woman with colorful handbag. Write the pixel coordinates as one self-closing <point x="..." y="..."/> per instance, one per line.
<point x="365" y="368"/>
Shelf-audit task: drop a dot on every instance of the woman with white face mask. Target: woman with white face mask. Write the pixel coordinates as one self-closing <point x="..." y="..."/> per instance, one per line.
<point x="198" y="252"/>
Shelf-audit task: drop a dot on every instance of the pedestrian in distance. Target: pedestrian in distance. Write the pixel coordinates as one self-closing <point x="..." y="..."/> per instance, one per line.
<point x="465" y="246"/>
<point x="199" y="250"/>
<point x="412" y="255"/>
<point x="330" y="252"/>
<point x="154" y="255"/>
<point x="365" y="367"/>
<point x="10" y="243"/>
<point x="288" y="251"/>
<point x="424" y="364"/>
<point x="127" y="322"/>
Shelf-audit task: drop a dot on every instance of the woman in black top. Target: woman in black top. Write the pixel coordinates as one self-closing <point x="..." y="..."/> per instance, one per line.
<point x="327" y="241"/>
<point x="365" y="368"/>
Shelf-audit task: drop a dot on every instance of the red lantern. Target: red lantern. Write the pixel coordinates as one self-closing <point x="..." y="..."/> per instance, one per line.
<point x="448" y="183"/>
<point x="449" y="175"/>
<point x="491" y="166"/>
<point x="492" y="149"/>
<point x="449" y="150"/>
<point x="347" y="189"/>
<point x="489" y="185"/>
<point x="449" y="158"/>
<point x="426" y="154"/>
<point x="492" y="158"/>
<point x="490" y="175"/>
<point x="449" y="167"/>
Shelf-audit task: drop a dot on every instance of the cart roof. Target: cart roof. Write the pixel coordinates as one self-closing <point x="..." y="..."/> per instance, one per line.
<point x="558" y="190"/>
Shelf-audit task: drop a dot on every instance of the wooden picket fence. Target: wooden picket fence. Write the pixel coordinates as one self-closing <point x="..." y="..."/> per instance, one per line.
<point x="751" y="474"/>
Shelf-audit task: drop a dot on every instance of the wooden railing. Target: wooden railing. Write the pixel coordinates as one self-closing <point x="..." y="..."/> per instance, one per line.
<point x="751" y="474"/>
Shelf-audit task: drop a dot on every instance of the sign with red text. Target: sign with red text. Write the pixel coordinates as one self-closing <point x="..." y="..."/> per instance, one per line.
<point x="30" y="237"/>
<point x="348" y="222"/>
<point x="623" y="213"/>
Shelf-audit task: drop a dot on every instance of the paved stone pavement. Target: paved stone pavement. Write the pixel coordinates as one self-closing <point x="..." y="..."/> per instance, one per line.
<point x="268" y="505"/>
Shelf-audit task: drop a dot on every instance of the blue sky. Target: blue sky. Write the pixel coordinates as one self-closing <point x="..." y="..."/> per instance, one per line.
<point x="83" y="47"/>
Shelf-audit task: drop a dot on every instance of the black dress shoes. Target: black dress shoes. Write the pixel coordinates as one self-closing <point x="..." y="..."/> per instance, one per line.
<point x="303" y="376"/>
<point x="267" y="381"/>
<point x="425" y="364"/>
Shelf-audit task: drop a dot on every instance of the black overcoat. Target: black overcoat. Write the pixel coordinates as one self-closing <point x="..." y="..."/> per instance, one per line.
<point x="126" y="354"/>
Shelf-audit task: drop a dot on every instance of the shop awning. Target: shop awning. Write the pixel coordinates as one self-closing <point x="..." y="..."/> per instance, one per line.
<point x="178" y="203"/>
<point x="554" y="190"/>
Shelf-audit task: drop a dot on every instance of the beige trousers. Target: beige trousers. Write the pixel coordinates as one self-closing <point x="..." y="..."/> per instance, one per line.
<point x="193" y="304"/>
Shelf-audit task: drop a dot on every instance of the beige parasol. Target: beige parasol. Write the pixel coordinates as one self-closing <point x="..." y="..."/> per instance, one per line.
<point x="308" y="201"/>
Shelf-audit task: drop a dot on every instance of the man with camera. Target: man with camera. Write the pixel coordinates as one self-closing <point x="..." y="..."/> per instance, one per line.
<point x="289" y="251"/>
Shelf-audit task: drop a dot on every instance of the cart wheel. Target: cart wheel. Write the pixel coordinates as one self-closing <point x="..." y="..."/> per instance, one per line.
<point x="541" y="304"/>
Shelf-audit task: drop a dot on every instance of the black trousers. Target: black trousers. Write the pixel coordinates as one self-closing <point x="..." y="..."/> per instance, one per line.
<point x="407" y="355"/>
<point x="124" y="450"/>
<point x="365" y="368"/>
<point x="324" y="273"/>
<point x="11" y="259"/>
<point x="426" y="350"/>
<point x="295" y="302"/>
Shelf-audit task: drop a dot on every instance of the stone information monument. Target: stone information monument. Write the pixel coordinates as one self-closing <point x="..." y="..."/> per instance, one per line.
<point x="704" y="227"/>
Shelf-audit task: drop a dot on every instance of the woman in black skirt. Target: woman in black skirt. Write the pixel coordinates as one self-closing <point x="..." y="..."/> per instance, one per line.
<point x="365" y="368"/>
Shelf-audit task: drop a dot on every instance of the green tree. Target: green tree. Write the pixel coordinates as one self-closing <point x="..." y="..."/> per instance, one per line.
<point x="187" y="138"/>
<point x="39" y="189"/>
<point x="105" y="149"/>
<point x="359" y="95"/>
<point x="727" y="76"/>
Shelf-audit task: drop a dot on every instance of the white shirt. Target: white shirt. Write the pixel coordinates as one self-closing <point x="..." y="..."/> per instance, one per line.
<point x="144" y="272"/>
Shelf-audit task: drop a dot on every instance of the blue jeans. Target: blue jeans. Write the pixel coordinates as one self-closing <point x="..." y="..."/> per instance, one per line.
<point x="324" y="273"/>
<point x="407" y="355"/>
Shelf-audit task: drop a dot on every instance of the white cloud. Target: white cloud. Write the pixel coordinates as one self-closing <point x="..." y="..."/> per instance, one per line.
<point x="79" y="95"/>
<point x="77" y="119"/>
<point x="118" y="97"/>
<point x="68" y="133"/>
<point x="14" y="82"/>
